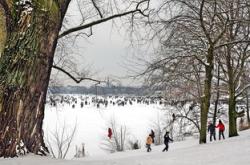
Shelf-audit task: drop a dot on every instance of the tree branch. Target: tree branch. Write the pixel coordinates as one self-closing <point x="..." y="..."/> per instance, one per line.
<point x="185" y="117"/>
<point x="242" y="90"/>
<point x="232" y="43"/>
<point x="78" y="28"/>
<point x="77" y="80"/>
<point x="202" y="22"/>
<point x="97" y="8"/>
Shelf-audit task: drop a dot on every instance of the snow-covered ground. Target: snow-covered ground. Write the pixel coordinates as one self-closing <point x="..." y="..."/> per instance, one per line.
<point x="92" y="123"/>
<point x="233" y="151"/>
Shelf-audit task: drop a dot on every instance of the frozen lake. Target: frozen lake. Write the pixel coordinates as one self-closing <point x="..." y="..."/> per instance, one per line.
<point x="92" y="122"/>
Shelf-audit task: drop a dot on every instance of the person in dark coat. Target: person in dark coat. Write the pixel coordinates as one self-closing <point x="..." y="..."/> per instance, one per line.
<point x="167" y="139"/>
<point x="152" y="135"/>
<point x="221" y="129"/>
<point x="211" y="130"/>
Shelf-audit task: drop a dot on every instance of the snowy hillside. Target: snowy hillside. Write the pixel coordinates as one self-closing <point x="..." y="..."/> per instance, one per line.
<point x="233" y="151"/>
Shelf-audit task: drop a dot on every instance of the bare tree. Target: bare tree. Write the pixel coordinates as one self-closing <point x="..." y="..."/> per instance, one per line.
<point x="234" y="57"/>
<point x="195" y="31"/>
<point x="60" y="141"/>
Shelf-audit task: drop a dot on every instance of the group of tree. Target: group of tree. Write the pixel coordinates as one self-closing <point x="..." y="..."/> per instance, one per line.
<point x="203" y="54"/>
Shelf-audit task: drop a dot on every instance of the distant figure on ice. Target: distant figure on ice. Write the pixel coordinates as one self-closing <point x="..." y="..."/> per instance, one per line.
<point x="167" y="139"/>
<point x="110" y="133"/>
<point x="211" y="130"/>
<point x="173" y="117"/>
<point x="221" y="129"/>
<point x="148" y="143"/>
<point x="152" y="135"/>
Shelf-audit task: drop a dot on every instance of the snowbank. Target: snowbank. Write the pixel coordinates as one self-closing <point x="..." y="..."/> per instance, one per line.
<point x="226" y="152"/>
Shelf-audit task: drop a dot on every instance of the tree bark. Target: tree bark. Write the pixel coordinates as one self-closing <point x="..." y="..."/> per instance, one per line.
<point x="247" y="107"/>
<point x="25" y="67"/>
<point x="217" y="96"/>
<point x="232" y="96"/>
<point x="205" y="105"/>
<point x="232" y="113"/>
<point x="2" y="30"/>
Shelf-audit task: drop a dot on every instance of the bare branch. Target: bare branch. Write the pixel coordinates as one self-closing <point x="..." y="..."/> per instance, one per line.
<point x="231" y="43"/>
<point x="202" y="22"/>
<point x="77" y="80"/>
<point x="242" y="90"/>
<point x="186" y="117"/>
<point x="97" y="8"/>
<point x="78" y="28"/>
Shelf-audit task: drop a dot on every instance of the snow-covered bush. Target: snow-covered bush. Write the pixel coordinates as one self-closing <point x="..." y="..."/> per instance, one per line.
<point x="118" y="140"/>
<point x="80" y="151"/>
<point x="133" y="144"/>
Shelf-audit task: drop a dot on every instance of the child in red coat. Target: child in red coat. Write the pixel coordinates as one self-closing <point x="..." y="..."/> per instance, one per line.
<point x="221" y="129"/>
<point x="110" y="133"/>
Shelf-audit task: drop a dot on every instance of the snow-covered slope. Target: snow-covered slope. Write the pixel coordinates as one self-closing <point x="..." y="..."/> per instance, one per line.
<point x="233" y="151"/>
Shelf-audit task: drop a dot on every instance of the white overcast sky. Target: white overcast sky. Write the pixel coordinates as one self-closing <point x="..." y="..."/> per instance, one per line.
<point x="105" y="51"/>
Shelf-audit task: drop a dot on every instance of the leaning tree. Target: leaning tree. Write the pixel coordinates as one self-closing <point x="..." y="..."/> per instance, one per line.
<point x="29" y="33"/>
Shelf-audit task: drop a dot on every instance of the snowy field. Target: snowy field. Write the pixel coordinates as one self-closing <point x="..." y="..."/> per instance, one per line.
<point x="233" y="151"/>
<point x="92" y="123"/>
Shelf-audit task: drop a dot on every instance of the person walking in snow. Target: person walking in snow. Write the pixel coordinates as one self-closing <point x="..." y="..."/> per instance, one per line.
<point x="110" y="133"/>
<point x="148" y="143"/>
<point x="221" y="128"/>
<point x="167" y="139"/>
<point x="211" y="130"/>
<point x="152" y="135"/>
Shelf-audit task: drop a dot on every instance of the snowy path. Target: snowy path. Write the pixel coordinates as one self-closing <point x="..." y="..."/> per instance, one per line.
<point x="233" y="151"/>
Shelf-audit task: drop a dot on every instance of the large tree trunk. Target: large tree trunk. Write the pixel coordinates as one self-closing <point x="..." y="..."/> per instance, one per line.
<point x="205" y="105"/>
<point x="232" y="99"/>
<point x="25" y="67"/>
<point x="232" y="112"/>
<point x="217" y="96"/>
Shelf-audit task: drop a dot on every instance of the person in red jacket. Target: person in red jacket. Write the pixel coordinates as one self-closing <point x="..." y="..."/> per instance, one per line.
<point x="109" y="133"/>
<point x="221" y="129"/>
